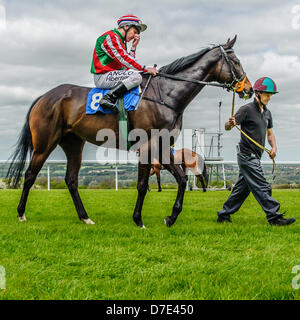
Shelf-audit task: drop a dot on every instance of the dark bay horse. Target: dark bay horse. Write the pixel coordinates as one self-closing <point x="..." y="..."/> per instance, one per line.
<point x="58" y="118"/>
<point x="188" y="160"/>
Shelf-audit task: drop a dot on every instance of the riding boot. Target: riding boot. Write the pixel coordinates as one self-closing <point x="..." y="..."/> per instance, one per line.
<point x="110" y="99"/>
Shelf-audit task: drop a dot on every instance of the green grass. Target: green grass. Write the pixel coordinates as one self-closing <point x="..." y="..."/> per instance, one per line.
<point x="54" y="256"/>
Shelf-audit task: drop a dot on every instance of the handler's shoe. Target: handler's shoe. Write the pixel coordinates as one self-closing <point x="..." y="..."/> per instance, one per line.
<point x="224" y="218"/>
<point x="282" y="221"/>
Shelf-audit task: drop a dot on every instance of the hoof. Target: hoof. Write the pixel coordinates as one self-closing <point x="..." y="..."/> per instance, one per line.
<point x="138" y="221"/>
<point x="159" y="190"/>
<point x="140" y="225"/>
<point x="87" y="221"/>
<point x="168" y="221"/>
<point x="22" y="218"/>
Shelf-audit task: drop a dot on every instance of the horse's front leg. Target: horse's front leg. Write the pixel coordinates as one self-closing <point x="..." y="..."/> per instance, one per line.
<point x="142" y="186"/>
<point x="179" y="175"/>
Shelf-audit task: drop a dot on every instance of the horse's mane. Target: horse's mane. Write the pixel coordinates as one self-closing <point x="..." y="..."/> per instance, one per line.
<point x="183" y="63"/>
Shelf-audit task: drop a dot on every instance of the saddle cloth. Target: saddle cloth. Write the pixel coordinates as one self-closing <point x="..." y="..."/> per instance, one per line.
<point x="131" y="99"/>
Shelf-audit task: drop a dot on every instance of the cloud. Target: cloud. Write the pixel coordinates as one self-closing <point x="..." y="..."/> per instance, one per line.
<point x="13" y="95"/>
<point x="2" y="18"/>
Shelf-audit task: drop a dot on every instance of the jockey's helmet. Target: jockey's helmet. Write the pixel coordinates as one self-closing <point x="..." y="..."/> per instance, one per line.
<point x="265" y="84"/>
<point x="131" y="21"/>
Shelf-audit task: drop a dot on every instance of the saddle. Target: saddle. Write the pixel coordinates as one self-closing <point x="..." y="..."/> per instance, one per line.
<point x="93" y="106"/>
<point x="125" y="104"/>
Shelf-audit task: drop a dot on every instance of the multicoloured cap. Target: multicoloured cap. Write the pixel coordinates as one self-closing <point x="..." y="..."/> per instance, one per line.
<point x="265" y="84"/>
<point x="131" y="20"/>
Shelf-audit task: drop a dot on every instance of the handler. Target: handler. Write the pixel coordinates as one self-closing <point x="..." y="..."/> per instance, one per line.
<point x="256" y="121"/>
<point x="113" y="67"/>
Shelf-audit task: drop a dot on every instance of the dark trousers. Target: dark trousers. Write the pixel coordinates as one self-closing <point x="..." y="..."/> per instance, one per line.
<point x="251" y="179"/>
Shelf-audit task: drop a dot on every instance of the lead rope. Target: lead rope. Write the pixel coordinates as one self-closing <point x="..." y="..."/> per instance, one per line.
<point x="274" y="170"/>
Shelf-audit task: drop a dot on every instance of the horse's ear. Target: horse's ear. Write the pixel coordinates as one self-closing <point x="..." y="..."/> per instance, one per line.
<point x="230" y="43"/>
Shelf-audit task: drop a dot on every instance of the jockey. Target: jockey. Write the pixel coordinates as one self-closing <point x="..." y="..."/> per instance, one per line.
<point x="113" y="67"/>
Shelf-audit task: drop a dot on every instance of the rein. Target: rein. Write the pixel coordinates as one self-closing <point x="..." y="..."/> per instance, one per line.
<point x="154" y="100"/>
<point x="274" y="171"/>
<point x="237" y="84"/>
<point x="213" y="84"/>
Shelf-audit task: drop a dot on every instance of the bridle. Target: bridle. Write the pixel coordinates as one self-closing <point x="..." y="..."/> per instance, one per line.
<point x="238" y="82"/>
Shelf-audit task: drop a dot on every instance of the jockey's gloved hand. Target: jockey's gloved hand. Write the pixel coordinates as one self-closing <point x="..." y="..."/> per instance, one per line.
<point x="152" y="70"/>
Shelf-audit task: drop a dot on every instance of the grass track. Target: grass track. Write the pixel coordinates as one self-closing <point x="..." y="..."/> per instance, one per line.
<point x="54" y="256"/>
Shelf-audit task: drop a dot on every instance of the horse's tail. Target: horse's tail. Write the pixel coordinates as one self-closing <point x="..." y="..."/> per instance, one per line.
<point x="18" y="158"/>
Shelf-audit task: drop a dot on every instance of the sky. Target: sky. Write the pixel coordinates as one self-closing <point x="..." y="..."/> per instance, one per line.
<point x="46" y="43"/>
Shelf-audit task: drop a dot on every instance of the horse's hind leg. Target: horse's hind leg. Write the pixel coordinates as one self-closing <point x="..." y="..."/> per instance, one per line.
<point x="202" y="181"/>
<point x="143" y="177"/>
<point x="31" y="173"/>
<point x="158" y="180"/>
<point x="73" y="146"/>
<point x="201" y="178"/>
<point x="179" y="175"/>
<point x="185" y="170"/>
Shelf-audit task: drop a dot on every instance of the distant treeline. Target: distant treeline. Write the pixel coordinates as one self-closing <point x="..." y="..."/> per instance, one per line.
<point x="94" y="176"/>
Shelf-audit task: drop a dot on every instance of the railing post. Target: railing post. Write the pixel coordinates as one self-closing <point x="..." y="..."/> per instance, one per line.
<point x="48" y="175"/>
<point x="224" y="177"/>
<point x="116" y="178"/>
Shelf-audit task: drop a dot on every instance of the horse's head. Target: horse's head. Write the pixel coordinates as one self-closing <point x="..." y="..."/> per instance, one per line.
<point x="229" y="70"/>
